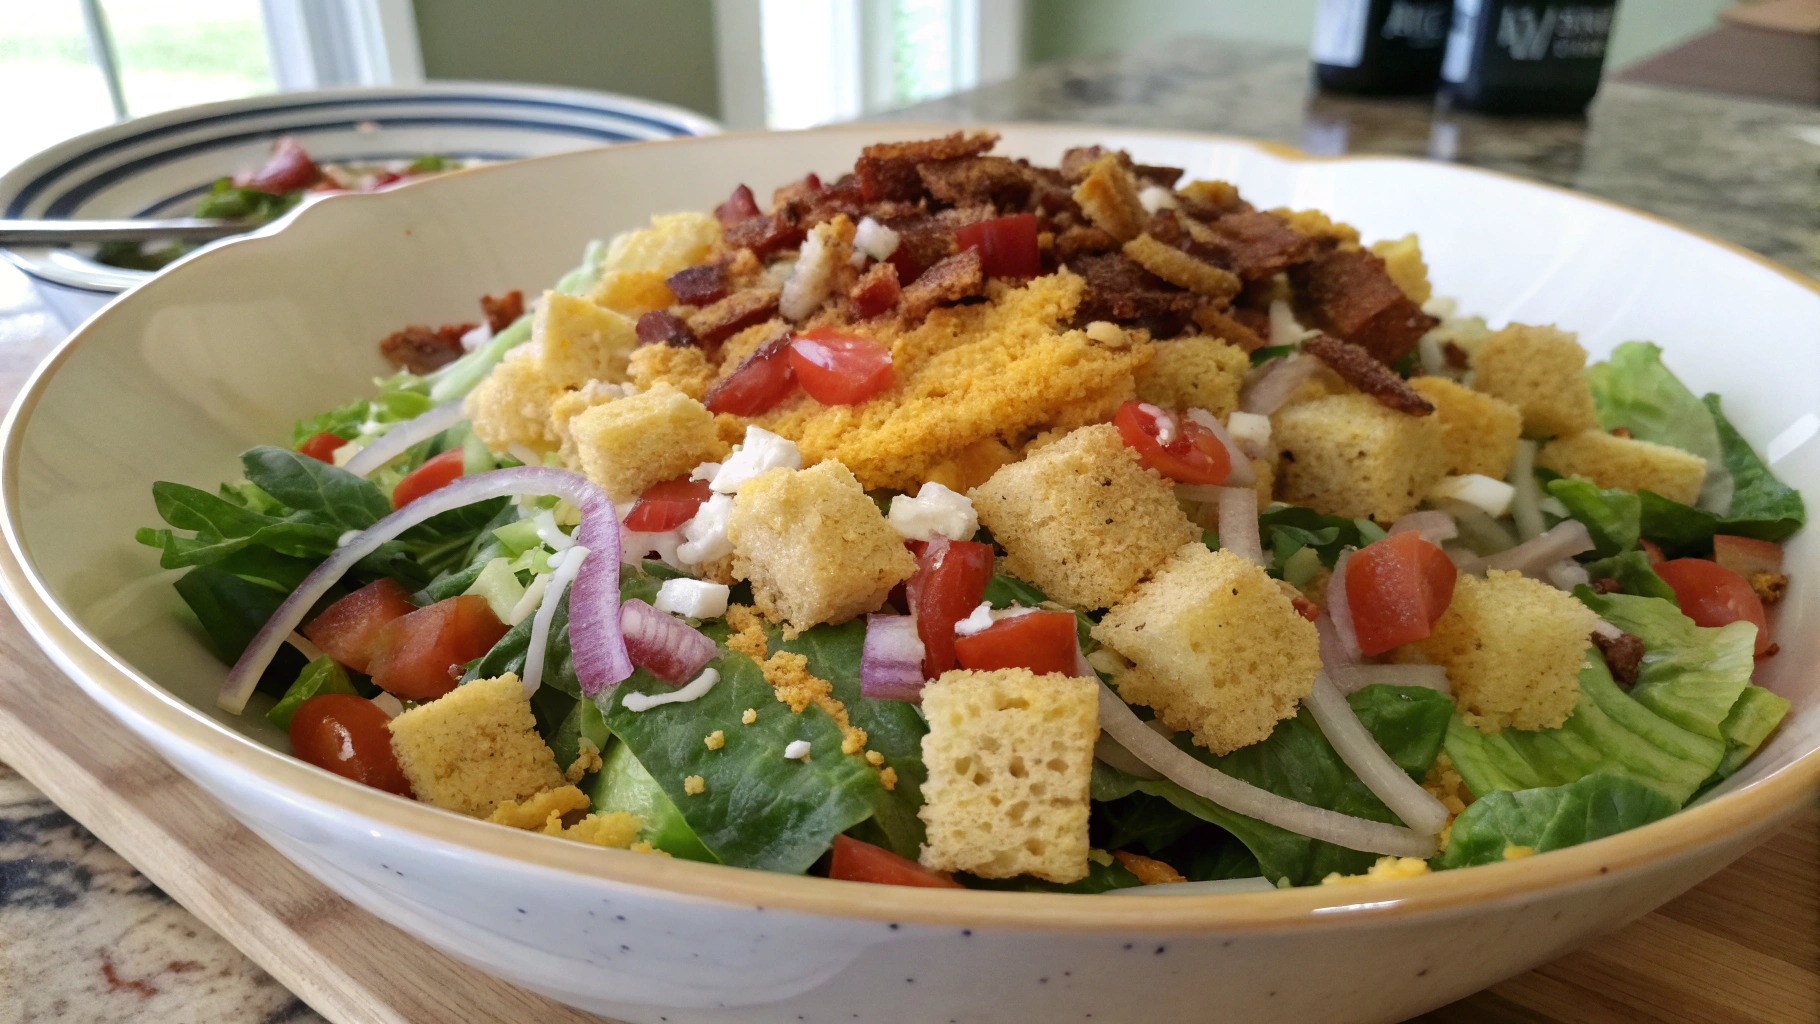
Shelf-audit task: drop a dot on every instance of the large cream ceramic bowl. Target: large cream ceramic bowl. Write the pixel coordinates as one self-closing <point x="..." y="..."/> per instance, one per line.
<point x="225" y="350"/>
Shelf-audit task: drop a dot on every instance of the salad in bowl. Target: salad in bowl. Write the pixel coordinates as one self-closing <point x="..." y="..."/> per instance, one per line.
<point x="963" y="522"/>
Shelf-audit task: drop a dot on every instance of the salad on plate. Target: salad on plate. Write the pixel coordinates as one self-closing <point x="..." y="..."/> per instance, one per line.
<point x="957" y="521"/>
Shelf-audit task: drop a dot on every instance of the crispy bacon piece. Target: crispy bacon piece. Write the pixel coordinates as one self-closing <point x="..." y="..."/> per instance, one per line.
<point x="699" y="285"/>
<point x="740" y="206"/>
<point x="1209" y="200"/>
<point x="1121" y="290"/>
<point x="1606" y="585"/>
<point x="421" y="349"/>
<point x="799" y="194"/>
<point x="1257" y="245"/>
<point x="990" y="180"/>
<point x="1156" y="174"/>
<point x="1457" y="357"/>
<point x="888" y="170"/>
<point x="764" y="235"/>
<point x="923" y="241"/>
<point x="876" y="292"/>
<point x="502" y="311"/>
<point x="950" y="280"/>
<point x="1082" y="240"/>
<point x="1360" y="369"/>
<point x="1622" y="655"/>
<point x="738" y="311"/>
<point x="1350" y="294"/>
<point x="662" y="327"/>
<point x="1077" y="162"/>
<point x="1229" y="328"/>
<point x="1255" y="320"/>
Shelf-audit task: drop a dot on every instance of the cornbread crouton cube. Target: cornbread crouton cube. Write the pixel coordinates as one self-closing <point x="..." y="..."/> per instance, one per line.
<point x="1349" y="455"/>
<point x="1195" y="373"/>
<point x="673" y="242"/>
<point x="1217" y="648"/>
<point x="569" y="404"/>
<point x="815" y="548"/>
<point x="1010" y="756"/>
<point x="475" y="748"/>
<point x="628" y="444"/>
<point x="632" y="293"/>
<point x="511" y="406"/>
<point x="686" y="368"/>
<point x="1541" y="371"/>
<point x="581" y="341"/>
<point x="1478" y="432"/>
<point x="1081" y="518"/>
<point x="1512" y="647"/>
<point x="1627" y="464"/>
<point x="1403" y="260"/>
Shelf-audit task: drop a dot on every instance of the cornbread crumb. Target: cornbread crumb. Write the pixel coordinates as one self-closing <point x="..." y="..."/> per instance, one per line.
<point x="673" y="242"/>
<point x="540" y="809"/>
<point x="1200" y="372"/>
<point x="1512" y="648"/>
<point x="1518" y="852"/>
<point x="1148" y="870"/>
<point x="1626" y="464"/>
<point x="790" y="678"/>
<point x="1010" y="754"/>
<point x="1385" y="870"/>
<point x="887" y="778"/>
<point x="1403" y="262"/>
<point x="644" y="847"/>
<point x="716" y="739"/>
<point x="1479" y="433"/>
<point x="632" y="293"/>
<point x="694" y="785"/>
<point x="616" y="829"/>
<point x="474" y="748"/>
<point x="587" y="760"/>
<point x="749" y="717"/>
<point x="1316" y="224"/>
<point x="1348" y="455"/>
<point x="686" y="369"/>
<point x="1443" y="782"/>
<point x="1218" y="649"/>
<point x="628" y="444"/>
<point x="1541" y="371"/>
<point x="874" y="758"/>
<point x="747" y="634"/>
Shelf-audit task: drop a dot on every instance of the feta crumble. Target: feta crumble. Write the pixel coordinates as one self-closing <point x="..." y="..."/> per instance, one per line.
<point x="761" y="451"/>
<point x="693" y="599"/>
<point x="935" y="510"/>
<point x="797" y="750"/>
<point x="705" y="536"/>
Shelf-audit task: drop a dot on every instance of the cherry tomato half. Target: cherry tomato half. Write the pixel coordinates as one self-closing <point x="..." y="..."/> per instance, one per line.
<point x="1712" y="595"/>
<point x="763" y="380"/>
<point x="950" y="580"/>
<point x="434" y="474"/>
<point x="667" y="505"/>
<point x="348" y="629"/>
<point x="348" y="735"/>
<point x="1007" y="245"/>
<point x="1193" y="455"/>
<point x="1042" y="642"/>
<point x="419" y="656"/>
<point x="839" y="369"/>
<point x="1396" y="588"/>
<point x="322" y="447"/>
<point x="856" y="861"/>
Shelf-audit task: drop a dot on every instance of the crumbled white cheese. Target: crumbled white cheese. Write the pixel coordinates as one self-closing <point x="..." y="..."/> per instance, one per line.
<point x="694" y="599"/>
<point x="762" y="450"/>
<point x="1251" y="432"/>
<point x="978" y="621"/>
<point x="812" y="279"/>
<point x="523" y="453"/>
<point x="695" y="690"/>
<point x="477" y="337"/>
<point x="875" y="239"/>
<point x="1107" y="333"/>
<point x="797" y="750"/>
<point x="705" y="471"/>
<point x="1475" y="489"/>
<point x="1156" y="197"/>
<point x="705" y="536"/>
<point x="634" y="545"/>
<point x="934" y="511"/>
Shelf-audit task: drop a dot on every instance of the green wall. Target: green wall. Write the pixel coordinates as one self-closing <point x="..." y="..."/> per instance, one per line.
<point x="658" y="49"/>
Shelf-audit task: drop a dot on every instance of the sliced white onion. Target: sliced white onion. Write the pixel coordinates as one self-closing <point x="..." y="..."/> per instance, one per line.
<point x="1341" y="667"/>
<point x="891" y="662"/>
<point x="595" y="643"/>
<point x="1251" y="432"/>
<point x="1568" y="538"/>
<point x="1270" y="391"/>
<point x="1242" y="797"/>
<point x="1211" y="887"/>
<point x="1114" y="753"/>
<point x="303" y="645"/>
<point x="1525" y="505"/>
<point x="1340" y="609"/>
<point x="1239" y="524"/>
<point x="1359" y="749"/>
<point x="392" y="706"/>
<point x="1493" y="497"/>
<point x="396" y="440"/>
<point x="1284" y="330"/>
<point x="1607" y="630"/>
<point x="1429" y="677"/>
<point x="1241" y="474"/>
<point x="1567" y="574"/>
<point x="663" y="645"/>
<point x="1434" y="525"/>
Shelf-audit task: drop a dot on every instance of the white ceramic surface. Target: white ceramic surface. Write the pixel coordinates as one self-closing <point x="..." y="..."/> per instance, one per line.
<point x="225" y="350"/>
<point x="156" y="166"/>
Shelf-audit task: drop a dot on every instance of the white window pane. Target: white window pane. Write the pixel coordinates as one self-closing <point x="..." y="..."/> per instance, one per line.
<point x="44" y="56"/>
<point x="173" y="53"/>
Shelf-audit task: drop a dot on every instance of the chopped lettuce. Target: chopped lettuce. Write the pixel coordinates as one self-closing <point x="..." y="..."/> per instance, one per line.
<point x="1690" y="675"/>
<point x="622" y="784"/>
<point x="1634" y="575"/>
<point x="1761" y="506"/>
<point x="1612" y="517"/>
<point x="1752" y="719"/>
<point x="1636" y="391"/>
<point x="1551" y="818"/>
<point x="324" y="675"/>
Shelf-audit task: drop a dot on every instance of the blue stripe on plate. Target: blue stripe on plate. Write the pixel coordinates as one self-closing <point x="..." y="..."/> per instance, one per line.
<point x="66" y="203"/>
<point x="360" y="159"/>
<point x="42" y="181"/>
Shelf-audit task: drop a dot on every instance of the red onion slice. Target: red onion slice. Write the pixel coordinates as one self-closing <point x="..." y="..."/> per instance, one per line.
<point x="1239" y="524"/>
<point x="1359" y="749"/>
<point x="1241" y="797"/>
<point x="1434" y="525"/>
<point x="891" y="663"/>
<point x="594" y="641"/>
<point x="1241" y="474"/>
<point x="395" y="441"/>
<point x="662" y="645"/>
<point x="1274" y="388"/>
<point x="1340" y="609"/>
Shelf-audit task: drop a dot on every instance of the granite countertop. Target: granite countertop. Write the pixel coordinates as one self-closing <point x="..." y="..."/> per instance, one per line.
<point x="83" y="937"/>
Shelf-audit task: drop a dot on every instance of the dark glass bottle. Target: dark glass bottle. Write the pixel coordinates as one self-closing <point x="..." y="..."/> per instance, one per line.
<point x="1526" y="56"/>
<point x="1380" y="46"/>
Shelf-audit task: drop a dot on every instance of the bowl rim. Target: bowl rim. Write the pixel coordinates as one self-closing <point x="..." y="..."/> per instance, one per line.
<point x="104" y="280"/>
<point x="1757" y="806"/>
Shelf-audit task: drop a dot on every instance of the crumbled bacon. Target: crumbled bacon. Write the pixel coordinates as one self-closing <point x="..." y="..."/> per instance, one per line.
<point x="922" y="242"/>
<point x="739" y="207"/>
<point x="1229" y="328"/>
<point x="950" y="280"/>
<point x="422" y="349"/>
<point x="1210" y="200"/>
<point x="1620" y="432"/>
<point x="738" y="311"/>
<point x="1119" y="289"/>
<point x="1255" y="320"/>
<point x="1077" y="162"/>
<point x="662" y="327"/>
<point x="501" y="312"/>
<point x="1457" y="357"/>
<point x="699" y="285"/>
<point x="991" y="180"/>
<point x="1351" y="294"/>
<point x="1169" y="227"/>
<point x="888" y="170"/>
<point x="1623" y="654"/>
<point x="1606" y="585"/>
<point x="1155" y="174"/>
<point x="763" y="235"/>
<point x="876" y="292"/>
<point x="1082" y="240"/>
<point x="1358" y="368"/>
<point x="1256" y="244"/>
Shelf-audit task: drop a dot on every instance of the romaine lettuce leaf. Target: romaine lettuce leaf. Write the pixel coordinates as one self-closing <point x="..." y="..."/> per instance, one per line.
<point x="1761" y="506"/>
<point x="1752" y="719"/>
<point x="1100" y="878"/>
<point x="1633" y="573"/>
<point x="1612" y="517"/>
<point x="1690" y="675"/>
<point x="1551" y="818"/>
<point x="1636" y="391"/>
<point x="622" y="784"/>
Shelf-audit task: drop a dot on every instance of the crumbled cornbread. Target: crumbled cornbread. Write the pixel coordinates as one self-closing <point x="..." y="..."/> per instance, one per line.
<point x="475" y="748"/>
<point x="628" y="444"/>
<point x="789" y="675"/>
<point x="716" y="739"/>
<point x="586" y="760"/>
<point x="1201" y="372"/>
<point x="1479" y="433"/>
<point x="1518" y="852"/>
<point x="886" y="777"/>
<point x="540" y="809"/>
<point x="694" y="785"/>
<point x="749" y="717"/>
<point x="616" y="829"/>
<point x="685" y="368"/>
<point x="1316" y="224"/>
<point x="673" y="242"/>
<point x="632" y="293"/>
<point x="1541" y="371"/>
<point x="1443" y="782"/>
<point x="1148" y="870"/>
<point x="1626" y="464"/>
<point x="1385" y="870"/>
<point x="1403" y="262"/>
<point x="1512" y="648"/>
<point x="1348" y="455"/>
<point x="874" y="758"/>
<point x="511" y="406"/>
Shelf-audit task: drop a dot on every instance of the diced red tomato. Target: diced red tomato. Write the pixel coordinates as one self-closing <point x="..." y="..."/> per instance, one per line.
<point x="420" y="656"/>
<point x="348" y="629"/>
<point x="288" y="169"/>
<point x="1747" y="556"/>
<point x="763" y="380"/>
<point x="347" y="735"/>
<point x="855" y="861"/>
<point x="322" y="447"/>
<point x="434" y="474"/>
<point x="1192" y="456"/>
<point x="1007" y="245"/>
<point x="667" y="505"/>
<point x="1712" y="595"/>
<point x="1042" y="642"/>
<point x="1653" y="552"/>
<point x="950" y="580"/>
<point x="381" y="180"/>
<point x="1396" y="588"/>
<point x="839" y="369"/>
